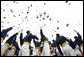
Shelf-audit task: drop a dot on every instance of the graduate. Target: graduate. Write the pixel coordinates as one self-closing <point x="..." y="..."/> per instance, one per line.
<point x="26" y="43"/>
<point x="67" y="50"/>
<point x="9" y="42"/>
<point x="79" y="41"/>
<point x="46" y="48"/>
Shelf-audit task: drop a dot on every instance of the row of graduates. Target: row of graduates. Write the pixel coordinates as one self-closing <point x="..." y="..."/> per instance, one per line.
<point x="60" y="47"/>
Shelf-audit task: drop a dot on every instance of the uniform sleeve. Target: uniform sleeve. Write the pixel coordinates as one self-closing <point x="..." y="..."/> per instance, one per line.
<point x="15" y="34"/>
<point x="10" y="40"/>
<point x="79" y="36"/>
<point x="41" y="33"/>
<point x="35" y="37"/>
<point x="21" y="40"/>
<point x="68" y="40"/>
<point x="9" y="29"/>
<point x="4" y="32"/>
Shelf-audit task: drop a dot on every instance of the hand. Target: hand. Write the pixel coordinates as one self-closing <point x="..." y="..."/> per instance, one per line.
<point x="21" y="30"/>
<point x="18" y="31"/>
<point x="75" y="30"/>
<point x="13" y="26"/>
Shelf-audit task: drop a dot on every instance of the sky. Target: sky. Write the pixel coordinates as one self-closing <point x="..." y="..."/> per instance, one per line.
<point x="52" y="16"/>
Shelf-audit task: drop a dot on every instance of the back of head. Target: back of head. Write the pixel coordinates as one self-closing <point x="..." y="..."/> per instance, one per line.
<point x="28" y="32"/>
<point x="75" y="37"/>
<point x="53" y="40"/>
<point x="57" y="35"/>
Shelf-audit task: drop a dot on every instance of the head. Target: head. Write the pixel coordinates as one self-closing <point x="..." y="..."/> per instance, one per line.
<point x="28" y="32"/>
<point x="57" y="35"/>
<point x="53" y="40"/>
<point x="75" y="37"/>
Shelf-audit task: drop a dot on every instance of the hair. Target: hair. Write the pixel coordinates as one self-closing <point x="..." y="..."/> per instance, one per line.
<point x="53" y="40"/>
<point x="57" y="35"/>
<point x="28" y="32"/>
<point x="75" y="37"/>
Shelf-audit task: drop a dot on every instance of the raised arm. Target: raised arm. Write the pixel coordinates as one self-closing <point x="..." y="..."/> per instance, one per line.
<point x="4" y="32"/>
<point x="11" y="39"/>
<point x="79" y="36"/>
<point x="41" y="32"/>
<point x="34" y="37"/>
<point x="9" y="29"/>
<point x="21" y="37"/>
